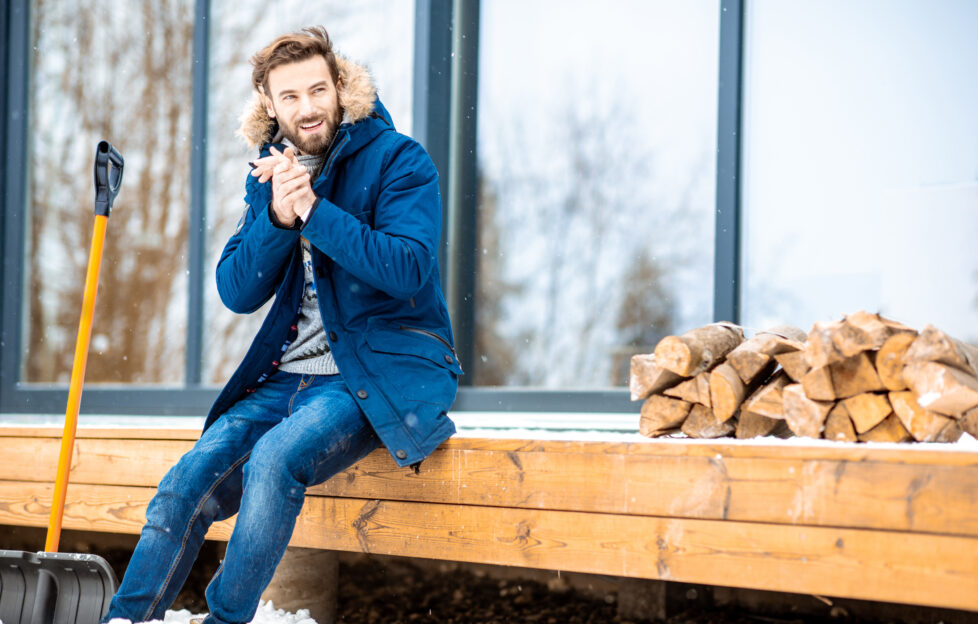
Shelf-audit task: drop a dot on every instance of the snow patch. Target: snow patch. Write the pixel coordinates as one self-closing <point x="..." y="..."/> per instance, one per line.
<point x="266" y="614"/>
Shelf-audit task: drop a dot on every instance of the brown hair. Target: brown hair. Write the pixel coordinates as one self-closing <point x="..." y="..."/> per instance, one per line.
<point x="292" y="48"/>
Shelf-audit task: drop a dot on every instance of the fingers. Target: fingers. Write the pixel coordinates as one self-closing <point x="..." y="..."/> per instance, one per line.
<point x="289" y="155"/>
<point x="277" y="163"/>
<point x="282" y="188"/>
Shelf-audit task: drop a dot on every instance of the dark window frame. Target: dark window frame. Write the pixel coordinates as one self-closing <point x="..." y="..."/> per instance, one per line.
<point x="445" y="86"/>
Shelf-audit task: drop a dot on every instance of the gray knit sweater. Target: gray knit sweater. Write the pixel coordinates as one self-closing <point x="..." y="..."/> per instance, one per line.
<point x="309" y="354"/>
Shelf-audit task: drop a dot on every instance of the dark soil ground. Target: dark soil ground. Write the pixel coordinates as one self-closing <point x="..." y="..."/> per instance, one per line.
<point x="402" y="593"/>
<point x="393" y="590"/>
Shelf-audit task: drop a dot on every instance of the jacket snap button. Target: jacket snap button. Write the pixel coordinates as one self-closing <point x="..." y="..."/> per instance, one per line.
<point x="362" y="394"/>
<point x="401" y="454"/>
<point x="333" y="336"/>
<point x="448" y="358"/>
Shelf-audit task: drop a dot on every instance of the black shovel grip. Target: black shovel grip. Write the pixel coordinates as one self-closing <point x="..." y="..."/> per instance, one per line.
<point x="108" y="177"/>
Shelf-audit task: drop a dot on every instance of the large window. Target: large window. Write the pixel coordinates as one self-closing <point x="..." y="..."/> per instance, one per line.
<point x="596" y="170"/>
<point x="605" y="187"/>
<point x="120" y="72"/>
<point x="379" y="34"/>
<point x="861" y="162"/>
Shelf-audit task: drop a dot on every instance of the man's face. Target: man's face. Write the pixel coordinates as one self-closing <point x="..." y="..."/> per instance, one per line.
<point x="303" y="99"/>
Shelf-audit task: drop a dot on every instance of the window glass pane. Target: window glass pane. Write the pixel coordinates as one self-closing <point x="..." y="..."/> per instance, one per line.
<point x="378" y="34"/>
<point x="861" y="162"/>
<point x="120" y="72"/>
<point x="597" y="150"/>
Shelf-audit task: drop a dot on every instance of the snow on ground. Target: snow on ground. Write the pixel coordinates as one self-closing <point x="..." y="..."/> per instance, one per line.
<point x="267" y="614"/>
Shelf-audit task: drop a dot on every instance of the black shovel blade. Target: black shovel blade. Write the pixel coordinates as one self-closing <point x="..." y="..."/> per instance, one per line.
<point x="54" y="588"/>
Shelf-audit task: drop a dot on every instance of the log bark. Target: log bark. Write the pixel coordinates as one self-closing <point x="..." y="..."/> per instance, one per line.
<point x="694" y="390"/>
<point x="838" y="425"/>
<point x="820" y="348"/>
<point x="751" y="425"/>
<point x="701" y="423"/>
<point x="646" y="377"/>
<point x="755" y="357"/>
<point x="969" y="422"/>
<point x="923" y="425"/>
<point x="889" y="361"/>
<point x="805" y="416"/>
<point x="767" y="400"/>
<point x="698" y="349"/>
<point x="933" y="345"/>
<point x="890" y="430"/>
<point x="942" y="388"/>
<point x="662" y="415"/>
<point x="867" y="410"/>
<point x="727" y="391"/>
<point x="863" y="331"/>
<point x="951" y="433"/>
<point x="795" y="364"/>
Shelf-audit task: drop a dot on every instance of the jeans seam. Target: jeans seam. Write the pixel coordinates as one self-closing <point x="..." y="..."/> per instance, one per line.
<point x="186" y="535"/>
<point x="302" y="386"/>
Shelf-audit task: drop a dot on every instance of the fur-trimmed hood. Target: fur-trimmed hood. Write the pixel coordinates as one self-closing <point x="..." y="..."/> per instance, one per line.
<point x="357" y="97"/>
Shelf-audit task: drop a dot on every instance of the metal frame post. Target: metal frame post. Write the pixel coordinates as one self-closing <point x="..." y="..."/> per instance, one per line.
<point x="727" y="257"/>
<point x="198" y="197"/>
<point x="463" y="191"/>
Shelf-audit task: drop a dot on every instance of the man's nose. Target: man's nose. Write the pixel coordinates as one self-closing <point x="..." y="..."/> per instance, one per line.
<point x="305" y="106"/>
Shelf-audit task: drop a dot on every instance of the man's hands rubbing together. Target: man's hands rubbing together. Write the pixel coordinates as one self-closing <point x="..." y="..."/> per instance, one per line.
<point x="292" y="196"/>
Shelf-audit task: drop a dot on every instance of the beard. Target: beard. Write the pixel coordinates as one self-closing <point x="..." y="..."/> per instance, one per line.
<point x="316" y="143"/>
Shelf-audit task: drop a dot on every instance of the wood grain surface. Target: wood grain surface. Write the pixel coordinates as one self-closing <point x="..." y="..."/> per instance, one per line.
<point x="890" y="566"/>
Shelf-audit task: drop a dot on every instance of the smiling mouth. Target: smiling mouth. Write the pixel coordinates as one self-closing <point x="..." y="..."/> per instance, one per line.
<point x="311" y="127"/>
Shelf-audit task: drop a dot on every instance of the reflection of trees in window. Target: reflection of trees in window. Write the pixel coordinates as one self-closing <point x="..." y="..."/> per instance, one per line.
<point x="581" y="243"/>
<point x="121" y="73"/>
<point x="360" y="31"/>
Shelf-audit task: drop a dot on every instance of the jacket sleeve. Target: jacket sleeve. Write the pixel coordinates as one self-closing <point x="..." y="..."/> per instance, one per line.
<point x="398" y="253"/>
<point x="252" y="263"/>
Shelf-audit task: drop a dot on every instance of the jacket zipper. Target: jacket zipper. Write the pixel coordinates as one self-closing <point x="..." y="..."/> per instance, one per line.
<point x="425" y="332"/>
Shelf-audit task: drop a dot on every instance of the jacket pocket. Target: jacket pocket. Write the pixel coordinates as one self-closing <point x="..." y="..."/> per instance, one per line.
<point x="417" y="363"/>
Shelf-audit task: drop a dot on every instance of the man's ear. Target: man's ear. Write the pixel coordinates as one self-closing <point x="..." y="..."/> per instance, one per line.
<point x="267" y="102"/>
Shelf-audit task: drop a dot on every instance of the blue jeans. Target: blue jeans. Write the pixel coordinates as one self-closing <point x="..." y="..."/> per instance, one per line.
<point x="257" y="461"/>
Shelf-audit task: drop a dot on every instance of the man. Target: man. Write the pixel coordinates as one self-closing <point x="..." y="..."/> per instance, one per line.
<point x="341" y="228"/>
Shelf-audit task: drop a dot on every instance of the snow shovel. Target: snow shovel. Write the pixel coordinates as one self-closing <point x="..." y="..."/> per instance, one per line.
<point x="62" y="588"/>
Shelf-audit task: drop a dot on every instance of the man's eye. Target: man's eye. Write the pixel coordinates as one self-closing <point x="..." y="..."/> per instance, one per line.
<point x="288" y="98"/>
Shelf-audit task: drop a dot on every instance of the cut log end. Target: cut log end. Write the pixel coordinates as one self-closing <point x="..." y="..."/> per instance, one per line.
<point x="660" y="415"/>
<point x="890" y="430"/>
<point x="646" y="377"/>
<point x="701" y="423"/>
<point x="805" y="416"/>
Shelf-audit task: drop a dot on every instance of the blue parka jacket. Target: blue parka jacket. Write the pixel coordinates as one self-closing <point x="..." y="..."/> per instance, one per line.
<point x="374" y="233"/>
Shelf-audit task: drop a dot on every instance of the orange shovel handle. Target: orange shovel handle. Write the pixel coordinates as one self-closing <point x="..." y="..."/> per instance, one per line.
<point x="77" y="381"/>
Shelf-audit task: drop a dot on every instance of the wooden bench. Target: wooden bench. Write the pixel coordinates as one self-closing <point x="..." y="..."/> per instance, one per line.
<point x="877" y="522"/>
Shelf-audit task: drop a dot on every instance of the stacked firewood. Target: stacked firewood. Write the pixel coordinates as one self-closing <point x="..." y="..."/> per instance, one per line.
<point x="864" y="378"/>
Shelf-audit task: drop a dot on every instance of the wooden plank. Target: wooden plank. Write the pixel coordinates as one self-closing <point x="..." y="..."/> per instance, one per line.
<point x="632" y="445"/>
<point x="873" y="565"/>
<point x="862" y="491"/>
<point x="115" y="433"/>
